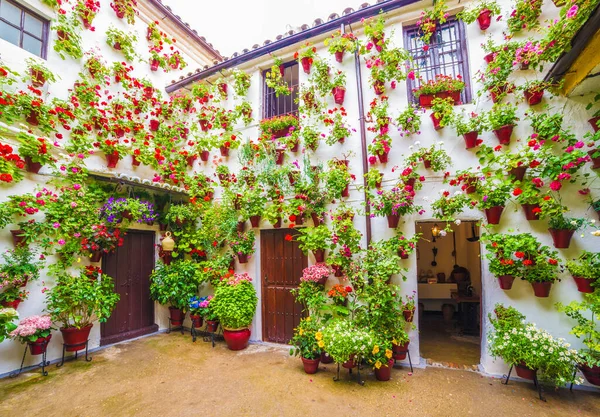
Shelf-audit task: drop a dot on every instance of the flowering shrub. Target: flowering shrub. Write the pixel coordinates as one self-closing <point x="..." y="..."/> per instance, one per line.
<point x="447" y="206"/>
<point x="102" y="239"/>
<point x="305" y="343"/>
<point x="409" y="120"/>
<point x="341" y="339"/>
<point x="430" y="18"/>
<point x="315" y="273"/>
<point x="32" y="328"/>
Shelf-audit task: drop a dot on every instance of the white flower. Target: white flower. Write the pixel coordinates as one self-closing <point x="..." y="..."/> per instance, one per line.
<point x="417" y="143"/>
<point x="443" y="233"/>
<point x="411" y="147"/>
<point x="457" y="192"/>
<point x="457" y="222"/>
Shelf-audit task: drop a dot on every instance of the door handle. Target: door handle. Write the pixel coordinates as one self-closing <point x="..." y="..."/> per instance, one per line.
<point x="266" y="280"/>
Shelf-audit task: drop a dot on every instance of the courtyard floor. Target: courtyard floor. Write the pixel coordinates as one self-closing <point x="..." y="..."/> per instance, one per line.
<point x="168" y="375"/>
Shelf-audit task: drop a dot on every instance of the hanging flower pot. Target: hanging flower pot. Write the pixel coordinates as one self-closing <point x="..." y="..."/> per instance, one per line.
<point x="504" y="133"/>
<point x="18" y="238"/>
<point x="255" y="221"/>
<point x="33" y="167"/>
<point x="518" y="172"/>
<point x="319" y="255"/>
<point x="212" y="326"/>
<point x="197" y="320"/>
<point x="223" y="89"/>
<point x="393" y="220"/>
<point x="154" y="65"/>
<point x="584" y="284"/>
<point x="506" y="281"/>
<point x="236" y="339"/>
<point x="533" y="97"/>
<point x="190" y="160"/>
<point x="134" y="161"/>
<point x="39" y="346"/>
<point x="279" y="155"/>
<point x="470" y="139"/>
<point x="315" y="218"/>
<point x="311" y="365"/>
<point x="75" y="337"/>
<point x="350" y="363"/>
<point x="177" y="316"/>
<point x="306" y="64"/>
<point x="154" y="125"/>
<point x="112" y="160"/>
<point x="325" y="358"/>
<point x="277" y="224"/>
<point x="541" y="289"/>
<point x="400" y="351"/>
<point x="402" y="254"/>
<point x="282" y="69"/>
<point x="484" y="19"/>
<point x="591" y="373"/>
<point x="346" y="192"/>
<point x="295" y="147"/>
<point x="596" y="160"/>
<point x="224" y="150"/>
<point x="241" y="226"/>
<point x="379" y="87"/>
<point x="242" y="258"/>
<point x="426" y="162"/>
<point x="594" y="122"/>
<point x="338" y="95"/>
<point x="96" y="256"/>
<point x="493" y="214"/>
<point x="339" y="56"/>
<point x="561" y="237"/>
<point x="524" y="372"/>
<point x="12" y="304"/>
<point x="204" y="156"/>
<point x="409" y="315"/>
<point x="33" y="119"/>
<point x="299" y="219"/>
<point x="471" y="185"/>
<point x="378" y="42"/>
<point x="37" y="78"/>
<point x="531" y="211"/>
<point x="204" y="125"/>
<point x="337" y="271"/>
<point x="425" y="100"/>
<point x="383" y="157"/>
<point x="166" y="257"/>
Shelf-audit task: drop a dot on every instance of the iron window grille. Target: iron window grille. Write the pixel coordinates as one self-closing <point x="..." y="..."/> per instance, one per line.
<point x="447" y="55"/>
<point x="23" y="28"/>
<point x="277" y="106"/>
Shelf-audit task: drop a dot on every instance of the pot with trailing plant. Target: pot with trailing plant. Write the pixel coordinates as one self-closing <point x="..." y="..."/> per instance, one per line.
<point x="441" y="112"/>
<point x="101" y="240"/>
<point x="174" y="285"/>
<point x="542" y="271"/>
<point x="36" y="331"/>
<point x="403" y="246"/>
<point x="39" y="73"/>
<point x="433" y="157"/>
<point x="345" y="342"/>
<point x="339" y="43"/>
<point x="394" y="203"/>
<point x="502" y="120"/>
<point x="76" y="301"/>
<point x="235" y="304"/>
<point x="19" y="267"/>
<point x="482" y="12"/>
<point x="306" y="56"/>
<point x="528" y="196"/>
<point x="469" y="127"/>
<point x="338" y="87"/>
<point x="243" y="245"/>
<point x="337" y="178"/>
<point x="316" y="239"/>
<point x="585" y="271"/>
<point x="305" y="343"/>
<point x="561" y="227"/>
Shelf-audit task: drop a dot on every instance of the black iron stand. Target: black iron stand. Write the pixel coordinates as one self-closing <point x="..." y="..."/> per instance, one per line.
<point x="409" y="360"/>
<point x="74" y="357"/>
<point x="171" y="327"/>
<point x="536" y="383"/>
<point x="574" y="375"/>
<point x="42" y="364"/>
<point x="212" y="336"/>
<point x="358" y="378"/>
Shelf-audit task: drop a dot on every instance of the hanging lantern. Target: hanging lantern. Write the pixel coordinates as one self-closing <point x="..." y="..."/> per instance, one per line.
<point x="168" y="244"/>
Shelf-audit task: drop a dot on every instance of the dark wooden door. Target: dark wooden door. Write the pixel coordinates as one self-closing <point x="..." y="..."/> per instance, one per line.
<point x="281" y="268"/>
<point x="130" y="266"/>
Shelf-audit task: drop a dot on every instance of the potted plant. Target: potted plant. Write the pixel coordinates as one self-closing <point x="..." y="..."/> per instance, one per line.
<point x="125" y="9"/>
<point x="409" y="120"/>
<point x="279" y="126"/>
<point x="469" y="127"/>
<point x="374" y="178"/>
<point x="274" y="79"/>
<point x="380" y="263"/>
<point x="502" y="118"/>
<point x="441" y="112"/>
<point x="241" y="82"/>
<point x="338" y="87"/>
<point x="430" y="18"/>
<point x="317" y="273"/>
<point x="375" y="31"/>
<point x="243" y="245"/>
<point x="402" y="245"/>
<point x="339" y="43"/>
<point x="306" y="345"/>
<point x="442" y="86"/>
<point x="528" y="195"/>
<point x="528" y="55"/>
<point x="39" y="74"/>
<point x="592" y="141"/>
<point x="306" y="56"/>
<point x="381" y="358"/>
<point x="434" y="157"/>
<point x="585" y="271"/>
<point x="315" y="239"/>
<point x="560" y="226"/>
<point x="448" y="205"/>
<point x="12" y="295"/>
<point x="77" y="301"/>
<point x="208" y="313"/>
<point x="68" y="42"/>
<point x="197" y="311"/>
<point x="87" y="11"/>
<point x="533" y="91"/>
<point x="542" y="271"/>
<point x="345" y="343"/>
<point x="524" y="16"/>
<point x="274" y="213"/>
<point x="122" y="41"/>
<point x="174" y="285"/>
<point x="482" y="11"/>
<point x="35" y="152"/>
<point x="36" y="331"/>
<point x="235" y="304"/>
<point x="381" y="147"/>
<point x="493" y="193"/>
<point x="338" y="177"/>
<point x="394" y="203"/>
<point x="408" y="307"/>
<point x="101" y="240"/>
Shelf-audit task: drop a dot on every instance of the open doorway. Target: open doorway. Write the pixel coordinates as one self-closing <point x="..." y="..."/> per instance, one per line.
<point x="449" y="293"/>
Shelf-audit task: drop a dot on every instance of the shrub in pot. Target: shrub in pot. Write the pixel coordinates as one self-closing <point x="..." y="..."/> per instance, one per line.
<point x="502" y="119"/>
<point x="310" y="293"/>
<point x="36" y="331"/>
<point x="585" y="271"/>
<point x="235" y="304"/>
<point x="346" y="343"/>
<point x="76" y="301"/>
<point x="469" y="127"/>
<point x="481" y="11"/>
<point x="307" y="343"/>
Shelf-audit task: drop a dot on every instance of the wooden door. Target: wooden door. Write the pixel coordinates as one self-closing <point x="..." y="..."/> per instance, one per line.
<point x="130" y="267"/>
<point x="282" y="263"/>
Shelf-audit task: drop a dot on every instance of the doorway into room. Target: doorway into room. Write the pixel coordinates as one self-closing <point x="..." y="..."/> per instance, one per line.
<point x="449" y="293"/>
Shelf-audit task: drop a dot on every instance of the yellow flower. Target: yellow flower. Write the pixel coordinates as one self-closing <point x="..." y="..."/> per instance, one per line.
<point x="308" y="319"/>
<point x="301" y="332"/>
<point x="394" y="341"/>
<point x="321" y="344"/>
<point x="318" y="335"/>
<point x="388" y="353"/>
<point x="375" y="349"/>
<point x="377" y="364"/>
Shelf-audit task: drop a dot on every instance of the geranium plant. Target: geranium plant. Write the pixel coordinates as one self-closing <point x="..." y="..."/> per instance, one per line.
<point x="122" y="41"/>
<point x="126" y="9"/>
<point x="409" y="120"/>
<point x="434" y="157"/>
<point x="524" y="15"/>
<point x="36" y="149"/>
<point x="68" y="42"/>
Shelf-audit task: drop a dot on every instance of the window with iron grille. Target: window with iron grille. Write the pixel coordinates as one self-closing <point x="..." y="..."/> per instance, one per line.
<point x="447" y="55"/>
<point x="277" y="106"/>
<point x="23" y="28"/>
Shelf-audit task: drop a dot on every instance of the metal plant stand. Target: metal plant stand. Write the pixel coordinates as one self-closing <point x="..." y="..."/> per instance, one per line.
<point x="212" y="336"/>
<point x="74" y="357"/>
<point x="409" y="359"/>
<point x="359" y="380"/>
<point x="42" y="364"/>
<point x="536" y="383"/>
<point x="171" y="327"/>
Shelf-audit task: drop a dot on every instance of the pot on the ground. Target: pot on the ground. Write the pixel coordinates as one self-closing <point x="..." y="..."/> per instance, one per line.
<point x="177" y="316"/>
<point x="384" y="373"/>
<point x="236" y="339"/>
<point x="311" y="365"/>
<point x="75" y="337"/>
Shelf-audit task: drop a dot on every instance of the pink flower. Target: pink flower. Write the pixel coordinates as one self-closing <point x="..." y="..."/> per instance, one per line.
<point x="61" y="241"/>
<point x="572" y="11"/>
<point x="411" y="75"/>
<point x="555" y="185"/>
<point x="56" y="225"/>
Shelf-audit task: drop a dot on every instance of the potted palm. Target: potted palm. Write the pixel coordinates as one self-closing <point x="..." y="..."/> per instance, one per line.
<point x="306" y="345"/>
<point x="585" y="271"/>
<point x="235" y="305"/>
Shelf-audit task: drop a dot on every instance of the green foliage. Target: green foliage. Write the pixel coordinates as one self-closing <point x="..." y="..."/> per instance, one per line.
<point x="20" y="266"/>
<point x="304" y="342"/>
<point x="472" y="13"/>
<point x="587" y="265"/>
<point x="175" y="284"/>
<point x="342" y="338"/>
<point x="502" y="115"/>
<point x="587" y="328"/>
<point x="235" y="302"/>
<point x="315" y="238"/>
<point x="7" y="316"/>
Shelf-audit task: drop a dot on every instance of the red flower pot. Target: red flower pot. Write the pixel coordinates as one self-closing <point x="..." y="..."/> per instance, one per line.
<point x="204" y="156"/>
<point x="242" y="258"/>
<point x="339" y="56"/>
<point x="75" y="337"/>
<point x="177" y="316"/>
<point x="315" y="218"/>
<point x="425" y="100"/>
<point x="533" y="97"/>
<point x="561" y="237"/>
<point x="493" y="214"/>
<point x="277" y="224"/>
<point x="37" y="78"/>
<point x="436" y="121"/>
<point x="541" y="289"/>
<point x="117" y="46"/>
<point x="33" y="167"/>
<point x="255" y="221"/>
<point x="393" y="220"/>
<point x="224" y="150"/>
<point x="18" y="238"/>
<point x="190" y="160"/>
<point x="120" y="14"/>
<point x="319" y="255"/>
<point x="400" y="351"/>
<point x="427" y="163"/>
<point x="528" y="209"/>
<point x="596" y="160"/>
<point x="134" y="161"/>
<point x="504" y="133"/>
<point x="337" y="271"/>
<point x="112" y="160"/>
<point x="212" y="326"/>
<point x="584" y="284"/>
<point x="592" y="374"/>
<point x="350" y="363"/>
<point x="524" y="372"/>
<point x="338" y="95"/>
<point x="12" y="304"/>
<point x="96" y="256"/>
<point x="306" y="64"/>
<point x="506" y="281"/>
<point x="154" y="125"/>
<point x="32" y="119"/>
<point x="299" y="219"/>
<point x="154" y="65"/>
<point x="325" y="358"/>
<point x="39" y="346"/>
<point x="379" y="87"/>
<point x="470" y="139"/>
<point x="409" y="315"/>
<point x="296" y="147"/>
<point x="518" y="172"/>
<point x="236" y="339"/>
<point x="594" y="122"/>
<point x="203" y="125"/>
<point x="385" y="372"/>
<point x="378" y="42"/>
<point x="197" y="320"/>
<point x="279" y="155"/>
<point x="311" y="365"/>
<point x="484" y="19"/>
<point x="346" y="192"/>
<point x="223" y="89"/>
<point x="383" y="157"/>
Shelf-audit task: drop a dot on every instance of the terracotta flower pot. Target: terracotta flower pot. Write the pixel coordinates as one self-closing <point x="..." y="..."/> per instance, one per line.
<point x="506" y="281"/>
<point x="409" y="315"/>
<point x="325" y="358"/>
<point x="279" y="155"/>
<point x="75" y="337"/>
<point x="596" y="160"/>
<point x="493" y="214"/>
<point x="154" y="125"/>
<point x="504" y="133"/>
<point x="594" y="123"/>
<point x="306" y="64"/>
<point x="134" y="161"/>
<point x="518" y="172"/>
<point x="311" y="365"/>
<point x="541" y="289"/>
<point x="33" y="167"/>
<point x="224" y="150"/>
<point x="592" y="374"/>
<point x="383" y="157"/>
<point x="470" y="139"/>
<point x="319" y="255"/>
<point x="197" y="320"/>
<point x="32" y="119"/>
<point x="524" y="372"/>
<point x="337" y="271"/>
<point x="533" y="97"/>
<point x="350" y="363"/>
<point x="154" y="65"/>
<point x="177" y="316"/>
<point x="242" y="258"/>
<point x="561" y="237"/>
<point x="425" y="100"/>
<point x="112" y="160"/>
<point x="212" y="326"/>
<point x="584" y="284"/>
<point x="528" y="209"/>
<point x="379" y="87"/>
<point x="393" y="220"/>
<point x="18" y="238"/>
<point x="237" y="339"/>
<point x="346" y="192"/>
<point x="37" y="78"/>
<point x="484" y="19"/>
<point x="315" y="218"/>
<point x="255" y="221"/>
<point x="39" y="346"/>
<point x="339" y="56"/>
<point x="96" y="256"/>
<point x="385" y="372"/>
<point x="436" y="121"/>
<point x="204" y="155"/>
<point x="277" y="224"/>
<point x="338" y="95"/>
<point x="12" y="304"/>
<point x="204" y="125"/>
<point x="400" y="351"/>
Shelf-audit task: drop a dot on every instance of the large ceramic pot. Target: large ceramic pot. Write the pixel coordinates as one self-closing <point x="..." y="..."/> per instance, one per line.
<point x="541" y="289"/>
<point x="584" y="284"/>
<point x="524" y="372"/>
<point x="506" y="281"/>
<point x="237" y="339"/>
<point x="75" y="337"/>
<point x="400" y="351"/>
<point x="385" y="372"/>
<point x="311" y="365"/>
<point x="40" y="345"/>
<point x="177" y="316"/>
